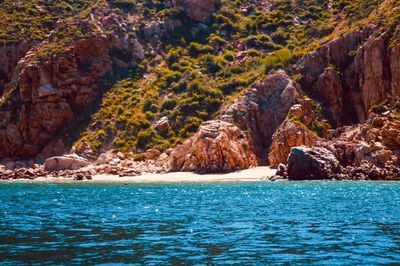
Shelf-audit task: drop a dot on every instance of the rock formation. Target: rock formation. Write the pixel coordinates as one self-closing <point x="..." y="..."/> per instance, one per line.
<point x="364" y="151"/>
<point x="217" y="146"/>
<point x="67" y="162"/>
<point x="262" y="109"/>
<point x="198" y="10"/>
<point x="351" y="74"/>
<point x="49" y="93"/>
<point x="9" y="58"/>
<point x="293" y="132"/>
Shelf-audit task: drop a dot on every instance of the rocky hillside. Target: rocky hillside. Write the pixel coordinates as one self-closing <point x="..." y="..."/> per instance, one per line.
<point x="213" y="85"/>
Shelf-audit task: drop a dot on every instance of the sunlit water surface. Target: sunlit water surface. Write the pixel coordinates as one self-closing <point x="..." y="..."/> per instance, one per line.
<point x="319" y="223"/>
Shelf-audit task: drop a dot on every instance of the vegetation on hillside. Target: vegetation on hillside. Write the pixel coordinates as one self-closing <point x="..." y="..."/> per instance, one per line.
<point x="198" y="68"/>
<point x="244" y="41"/>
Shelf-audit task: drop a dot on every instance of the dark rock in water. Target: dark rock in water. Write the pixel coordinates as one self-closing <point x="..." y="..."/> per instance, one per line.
<point x="282" y="170"/>
<point x="79" y="177"/>
<point x="312" y="163"/>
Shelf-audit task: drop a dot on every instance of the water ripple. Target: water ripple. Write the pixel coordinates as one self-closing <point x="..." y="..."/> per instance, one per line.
<point x="314" y="223"/>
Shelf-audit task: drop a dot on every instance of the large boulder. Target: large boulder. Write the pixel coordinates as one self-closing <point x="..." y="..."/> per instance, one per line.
<point x="152" y="154"/>
<point x="66" y="162"/>
<point x="216" y="147"/>
<point x="162" y="124"/>
<point x="312" y="164"/>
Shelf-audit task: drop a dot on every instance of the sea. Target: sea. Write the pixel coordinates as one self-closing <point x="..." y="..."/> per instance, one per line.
<point x="227" y="223"/>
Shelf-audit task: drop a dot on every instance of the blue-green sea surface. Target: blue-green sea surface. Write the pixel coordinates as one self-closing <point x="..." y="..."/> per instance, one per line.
<point x="296" y="223"/>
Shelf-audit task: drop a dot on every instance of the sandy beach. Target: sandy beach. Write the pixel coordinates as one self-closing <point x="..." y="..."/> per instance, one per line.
<point x="253" y="174"/>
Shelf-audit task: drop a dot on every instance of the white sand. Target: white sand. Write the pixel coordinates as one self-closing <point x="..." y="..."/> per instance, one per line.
<point x="253" y="174"/>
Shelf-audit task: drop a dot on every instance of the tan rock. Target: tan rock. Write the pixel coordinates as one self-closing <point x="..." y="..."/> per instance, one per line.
<point x="66" y="162"/>
<point x="152" y="154"/>
<point x="120" y="155"/>
<point x="217" y="146"/>
<point x="162" y="124"/>
<point x="104" y="158"/>
<point x="262" y="109"/>
<point x="290" y="134"/>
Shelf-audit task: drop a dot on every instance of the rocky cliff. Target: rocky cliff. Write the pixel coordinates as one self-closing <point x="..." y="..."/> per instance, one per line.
<point x="208" y="86"/>
<point x="48" y="92"/>
<point x="261" y="109"/>
<point x="9" y="57"/>
<point x="351" y="74"/>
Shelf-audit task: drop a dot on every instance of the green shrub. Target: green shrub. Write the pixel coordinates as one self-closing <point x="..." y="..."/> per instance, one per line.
<point x="196" y="49"/>
<point x="139" y="157"/>
<point x="168" y="104"/>
<point x="145" y="138"/>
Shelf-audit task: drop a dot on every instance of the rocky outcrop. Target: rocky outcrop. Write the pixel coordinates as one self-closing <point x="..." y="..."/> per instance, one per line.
<point x="52" y="91"/>
<point x="152" y="154"/>
<point x="9" y="58"/>
<point x="262" y="109"/>
<point x="162" y="124"/>
<point x="157" y="29"/>
<point x="376" y="142"/>
<point x="293" y="132"/>
<point x="198" y="10"/>
<point x="351" y="74"/>
<point x="364" y="151"/>
<point x="312" y="164"/>
<point x="217" y="146"/>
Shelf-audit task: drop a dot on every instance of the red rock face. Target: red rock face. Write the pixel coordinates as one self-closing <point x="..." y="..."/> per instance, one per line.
<point x="364" y="151"/>
<point x="353" y="73"/>
<point x="9" y="57"/>
<point x="292" y="132"/>
<point x="52" y="92"/>
<point x="198" y="10"/>
<point x="216" y="147"/>
<point x="262" y="109"/>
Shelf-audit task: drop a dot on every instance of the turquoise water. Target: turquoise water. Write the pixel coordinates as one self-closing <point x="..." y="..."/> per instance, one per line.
<point x="317" y="223"/>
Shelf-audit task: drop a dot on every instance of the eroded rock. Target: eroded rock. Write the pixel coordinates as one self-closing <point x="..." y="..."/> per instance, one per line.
<point x="66" y="162"/>
<point x="262" y="109"/>
<point x="218" y="146"/>
<point x="293" y="132"/>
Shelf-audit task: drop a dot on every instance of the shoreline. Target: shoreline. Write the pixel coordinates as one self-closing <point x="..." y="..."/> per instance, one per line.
<point x="255" y="174"/>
